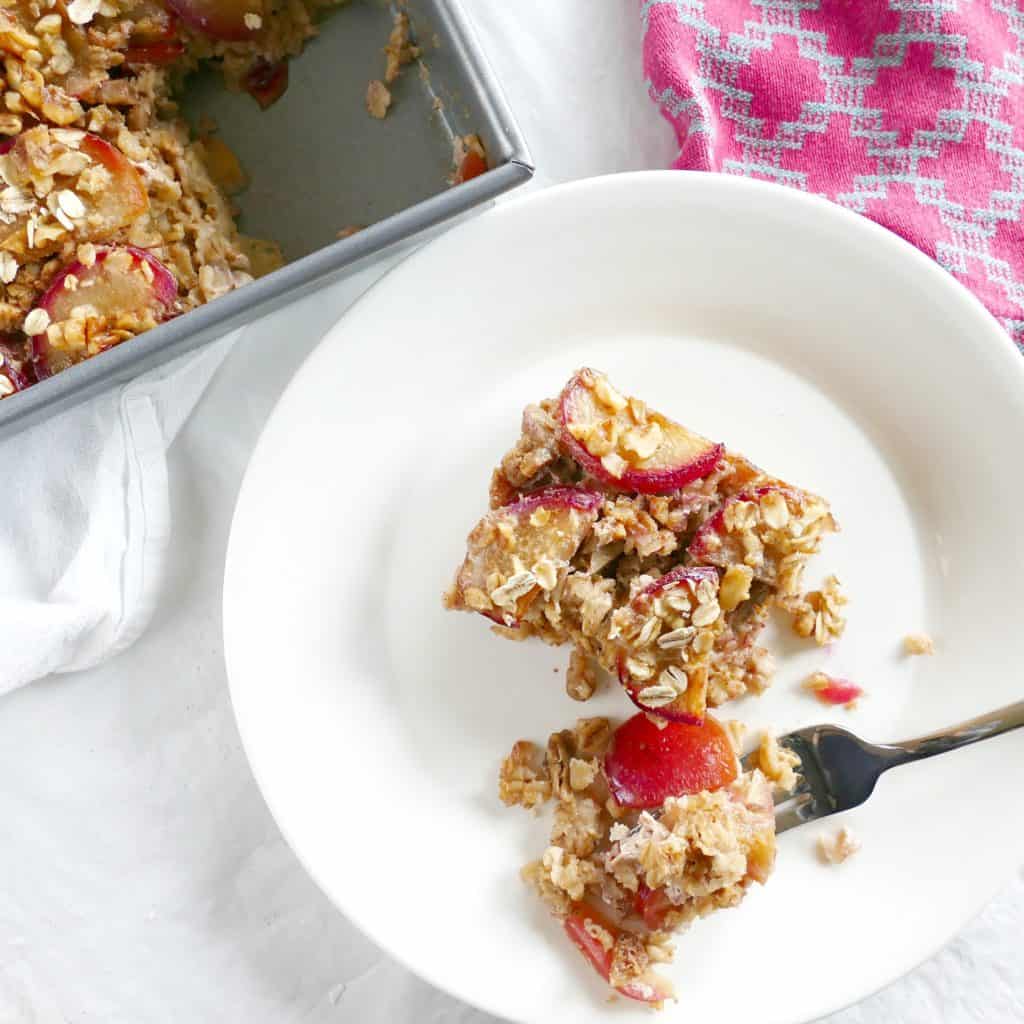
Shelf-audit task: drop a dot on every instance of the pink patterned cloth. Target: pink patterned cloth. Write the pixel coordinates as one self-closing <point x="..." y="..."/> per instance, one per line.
<point x="910" y="112"/>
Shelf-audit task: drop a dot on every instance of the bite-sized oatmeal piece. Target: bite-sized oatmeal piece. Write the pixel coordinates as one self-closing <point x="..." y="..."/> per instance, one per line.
<point x="777" y="763"/>
<point x="669" y="581"/>
<point x="839" y="847"/>
<point x="918" y="643"/>
<point x="519" y="554"/>
<point x="818" y="613"/>
<point x="690" y="834"/>
<point x="831" y="690"/>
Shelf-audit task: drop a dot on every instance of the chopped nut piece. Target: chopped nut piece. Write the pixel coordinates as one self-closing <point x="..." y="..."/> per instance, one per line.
<point x="918" y="643"/>
<point x="834" y="849"/>
<point x="580" y="678"/>
<point x="592" y="736"/>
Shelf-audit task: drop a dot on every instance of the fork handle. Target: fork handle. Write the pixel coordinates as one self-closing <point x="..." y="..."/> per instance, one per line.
<point x="995" y="723"/>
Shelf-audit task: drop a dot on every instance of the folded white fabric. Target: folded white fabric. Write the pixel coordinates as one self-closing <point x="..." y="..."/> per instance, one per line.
<point x="85" y="521"/>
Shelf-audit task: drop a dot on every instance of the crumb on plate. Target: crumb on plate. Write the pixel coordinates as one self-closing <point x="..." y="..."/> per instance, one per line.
<point x="918" y="643"/>
<point x="838" y="847"/>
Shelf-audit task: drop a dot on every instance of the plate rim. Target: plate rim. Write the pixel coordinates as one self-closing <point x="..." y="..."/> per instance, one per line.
<point x="987" y="337"/>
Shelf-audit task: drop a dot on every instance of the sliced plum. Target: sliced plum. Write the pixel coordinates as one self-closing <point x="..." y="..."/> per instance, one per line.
<point x="227" y="20"/>
<point x="96" y="190"/>
<point x="669" y="630"/>
<point x="596" y="937"/>
<point x="87" y="309"/>
<point x="625" y="445"/>
<point x="516" y="552"/>
<point x="647" y="762"/>
<point x="763" y="529"/>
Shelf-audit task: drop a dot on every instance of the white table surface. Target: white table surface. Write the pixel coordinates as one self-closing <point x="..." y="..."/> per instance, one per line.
<point x="142" y="879"/>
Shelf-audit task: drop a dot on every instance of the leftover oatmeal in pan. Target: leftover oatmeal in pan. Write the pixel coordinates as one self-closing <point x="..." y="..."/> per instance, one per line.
<point x="656" y="555"/>
<point x="113" y="218"/>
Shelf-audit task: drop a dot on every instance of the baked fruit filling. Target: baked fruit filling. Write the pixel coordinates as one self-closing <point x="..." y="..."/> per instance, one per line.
<point x="655" y="555"/>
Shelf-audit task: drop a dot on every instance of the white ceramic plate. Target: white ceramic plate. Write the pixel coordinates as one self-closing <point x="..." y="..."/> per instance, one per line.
<point x="823" y="347"/>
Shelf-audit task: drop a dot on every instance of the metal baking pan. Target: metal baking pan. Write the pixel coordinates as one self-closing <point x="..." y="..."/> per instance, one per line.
<point x="318" y="163"/>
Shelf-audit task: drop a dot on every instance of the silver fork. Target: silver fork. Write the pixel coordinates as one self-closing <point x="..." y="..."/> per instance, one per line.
<point x="839" y="770"/>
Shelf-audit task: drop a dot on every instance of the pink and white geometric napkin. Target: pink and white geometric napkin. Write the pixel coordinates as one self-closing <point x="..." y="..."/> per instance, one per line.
<point x="910" y="112"/>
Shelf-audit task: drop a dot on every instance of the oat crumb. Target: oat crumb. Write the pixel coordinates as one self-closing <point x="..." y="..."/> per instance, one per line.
<point x="778" y="763"/>
<point x="918" y="643"/>
<point x="378" y="99"/>
<point x="834" y="849"/>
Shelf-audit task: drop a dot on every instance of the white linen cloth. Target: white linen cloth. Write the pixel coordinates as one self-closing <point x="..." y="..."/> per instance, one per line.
<point x="142" y="880"/>
<point x="86" y="521"/>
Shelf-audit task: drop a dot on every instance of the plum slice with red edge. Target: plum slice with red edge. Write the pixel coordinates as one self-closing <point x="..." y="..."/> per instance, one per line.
<point x="595" y="936"/>
<point x="226" y="20"/>
<point x="682" y="593"/>
<point x="122" y="282"/>
<point x="126" y="199"/>
<point x="625" y="445"/>
<point x="647" y="762"/>
<point x="761" y="526"/>
<point x="95" y="215"/>
<point x="524" y="545"/>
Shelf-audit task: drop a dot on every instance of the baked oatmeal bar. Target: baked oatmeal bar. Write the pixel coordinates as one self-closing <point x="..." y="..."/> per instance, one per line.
<point x="654" y="826"/>
<point x="646" y="547"/>
<point x="112" y="219"/>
